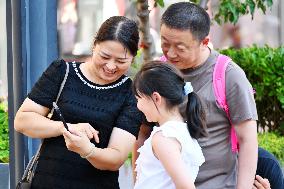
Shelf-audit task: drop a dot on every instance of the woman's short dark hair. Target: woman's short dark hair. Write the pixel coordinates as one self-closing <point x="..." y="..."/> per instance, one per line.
<point x="121" y="29"/>
<point x="187" y="16"/>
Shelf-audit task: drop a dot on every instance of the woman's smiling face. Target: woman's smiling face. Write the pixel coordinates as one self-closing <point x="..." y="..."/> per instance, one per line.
<point x="111" y="60"/>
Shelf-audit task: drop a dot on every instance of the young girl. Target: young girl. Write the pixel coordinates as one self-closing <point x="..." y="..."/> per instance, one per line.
<point x="171" y="156"/>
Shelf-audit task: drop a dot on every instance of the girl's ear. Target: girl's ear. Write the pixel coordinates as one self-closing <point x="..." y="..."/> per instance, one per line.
<point x="157" y="98"/>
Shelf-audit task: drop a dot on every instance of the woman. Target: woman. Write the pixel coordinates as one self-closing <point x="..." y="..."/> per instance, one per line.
<point x="99" y="107"/>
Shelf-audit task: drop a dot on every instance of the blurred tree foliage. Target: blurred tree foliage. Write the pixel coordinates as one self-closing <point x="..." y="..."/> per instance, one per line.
<point x="264" y="67"/>
<point x="274" y="143"/>
<point x="4" y="134"/>
<point x="232" y="10"/>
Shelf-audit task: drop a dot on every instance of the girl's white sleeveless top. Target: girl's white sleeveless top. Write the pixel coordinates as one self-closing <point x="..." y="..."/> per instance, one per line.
<point x="150" y="171"/>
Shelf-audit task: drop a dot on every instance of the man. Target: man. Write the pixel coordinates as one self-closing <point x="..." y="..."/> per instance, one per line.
<point x="184" y="39"/>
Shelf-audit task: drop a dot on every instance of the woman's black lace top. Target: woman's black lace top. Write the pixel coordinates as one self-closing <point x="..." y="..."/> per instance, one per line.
<point x="81" y="101"/>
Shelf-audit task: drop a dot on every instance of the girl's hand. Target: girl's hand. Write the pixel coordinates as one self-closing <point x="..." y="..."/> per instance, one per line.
<point x="77" y="141"/>
<point x="85" y="128"/>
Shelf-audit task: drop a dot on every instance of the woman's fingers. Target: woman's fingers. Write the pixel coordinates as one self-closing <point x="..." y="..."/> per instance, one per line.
<point x="72" y="129"/>
<point x="75" y="141"/>
<point x="265" y="183"/>
<point x="88" y="132"/>
<point x="258" y="185"/>
<point x="95" y="134"/>
<point x="67" y="135"/>
<point x="85" y="129"/>
<point x="261" y="183"/>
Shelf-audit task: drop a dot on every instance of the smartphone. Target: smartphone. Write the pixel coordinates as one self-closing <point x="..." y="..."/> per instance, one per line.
<point x="57" y="110"/>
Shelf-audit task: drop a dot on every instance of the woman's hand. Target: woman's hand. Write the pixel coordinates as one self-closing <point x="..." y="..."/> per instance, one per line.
<point x="261" y="183"/>
<point x="78" y="141"/>
<point x="86" y="128"/>
<point x="109" y="158"/>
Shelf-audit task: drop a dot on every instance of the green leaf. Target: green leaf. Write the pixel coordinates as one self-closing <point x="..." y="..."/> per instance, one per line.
<point x="251" y="5"/>
<point x="160" y="3"/>
<point x="230" y="11"/>
<point x="261" y="5"/>
<point x="269" y="3"/>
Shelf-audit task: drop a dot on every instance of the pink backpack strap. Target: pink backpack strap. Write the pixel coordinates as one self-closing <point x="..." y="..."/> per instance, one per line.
<point x="163" y="59"/>
<point x="219" y="86"/>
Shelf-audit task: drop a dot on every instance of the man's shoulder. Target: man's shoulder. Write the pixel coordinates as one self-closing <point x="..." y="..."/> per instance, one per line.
<point x="232" y="65"/>
<point x="234" y="70"/>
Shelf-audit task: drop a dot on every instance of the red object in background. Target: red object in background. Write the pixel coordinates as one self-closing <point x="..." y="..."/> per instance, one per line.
<point x="120" y="7"/>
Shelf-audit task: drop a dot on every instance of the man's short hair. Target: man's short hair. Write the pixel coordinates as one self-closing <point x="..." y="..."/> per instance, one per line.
<point x="187" y="16"/>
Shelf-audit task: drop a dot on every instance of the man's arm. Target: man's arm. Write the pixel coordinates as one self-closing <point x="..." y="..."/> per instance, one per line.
<point x="247" y="159"/>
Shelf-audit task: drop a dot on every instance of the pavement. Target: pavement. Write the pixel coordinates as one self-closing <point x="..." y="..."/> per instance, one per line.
<point x="125" y="177"/>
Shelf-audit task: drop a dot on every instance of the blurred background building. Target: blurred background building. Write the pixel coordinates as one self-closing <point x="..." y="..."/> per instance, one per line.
<point x="78" y="21"/>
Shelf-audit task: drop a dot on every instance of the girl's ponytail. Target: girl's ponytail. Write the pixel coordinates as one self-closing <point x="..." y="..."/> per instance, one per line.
<point x="196" y="122"/>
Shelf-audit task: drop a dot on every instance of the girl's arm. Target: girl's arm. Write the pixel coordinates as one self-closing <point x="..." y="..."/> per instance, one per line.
<point x="168" y="151"/>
